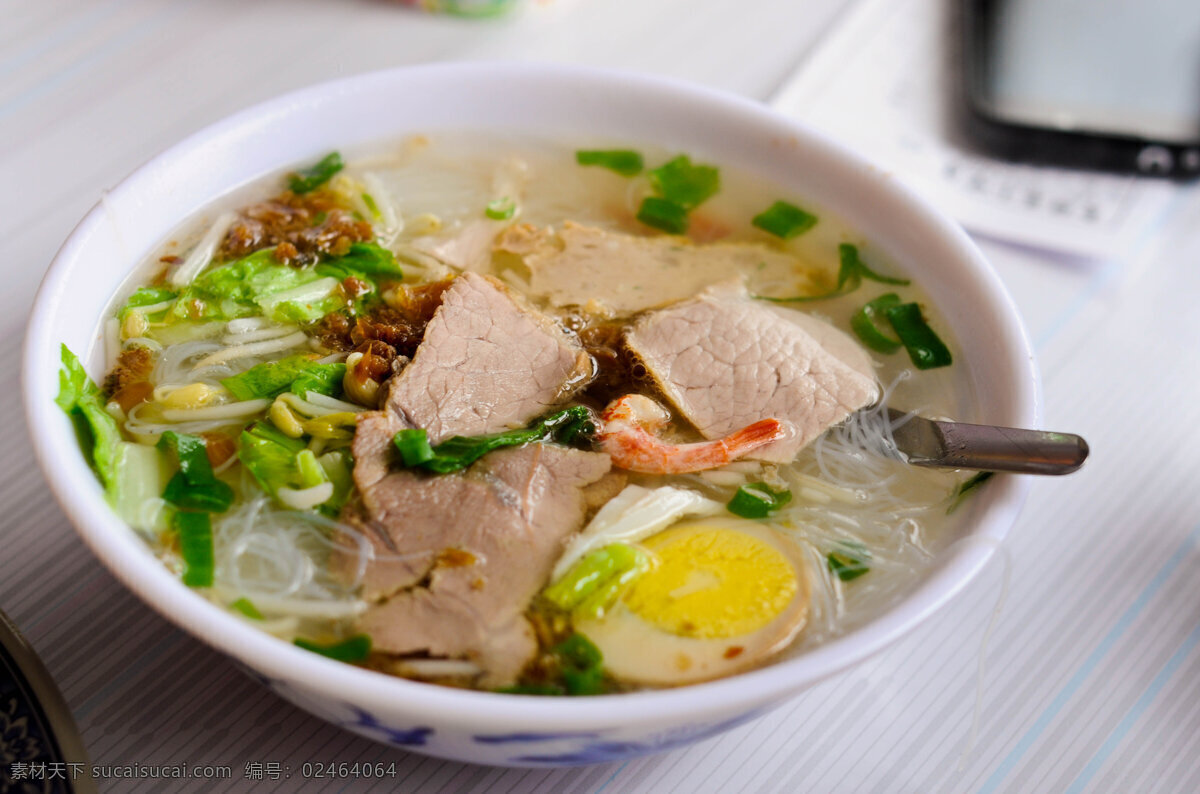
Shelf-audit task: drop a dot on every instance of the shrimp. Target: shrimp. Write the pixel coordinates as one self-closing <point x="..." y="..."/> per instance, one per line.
<point x="627" y="432"/>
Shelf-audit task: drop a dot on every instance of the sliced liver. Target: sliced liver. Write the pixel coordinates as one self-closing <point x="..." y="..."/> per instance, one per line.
<point x="622" y="273"/>
<point x="511" y="513"/>
<point x="725" y="360"/>
<point x="488" y="362"/>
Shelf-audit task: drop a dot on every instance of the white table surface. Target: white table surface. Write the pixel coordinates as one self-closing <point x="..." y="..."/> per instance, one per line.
<point x="1092" y="670"/>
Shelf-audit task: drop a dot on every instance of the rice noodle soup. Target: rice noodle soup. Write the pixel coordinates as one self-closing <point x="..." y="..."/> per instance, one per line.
<point x="508" y="414"/>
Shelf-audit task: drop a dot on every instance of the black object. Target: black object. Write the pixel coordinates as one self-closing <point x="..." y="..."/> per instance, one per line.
<point x="1042" y="134"/>
<point x="40" y="747"/>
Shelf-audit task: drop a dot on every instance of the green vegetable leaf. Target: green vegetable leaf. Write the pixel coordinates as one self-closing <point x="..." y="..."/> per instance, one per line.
<point x="247" y="608"/>
<point x="99" y="435"/>
<point x="257" y="284"/>
<point x="354" y="649"/>
<point x="758" y="500"/>
<point x="459" y="452"/>
<point x="623" y="161"/>
<point x="309" y="179"/>
<point x="685" y="184"/>
<point x="663" y="214"/>
<point x="145" y="296"/>
<point x="141" y="474"/>
<point x="966" y="488"/>
<point x="851" y="272"/>
<point x="337" y="466"/>
<point x="865" y="324"/>
<point x="194" y="486"/>
<point x="195" y="547"/>
<point x="850" y="562"/>
<point x="311" y="473"/>
<point x="784" y="220"/>
<point x="366" y="259"/>
<point x="320" y="378"/>
<point x="270" y="456"/>
<point x="268" y="380"/>
<point x="925" y="347"/>
<point x="501" y="209"/>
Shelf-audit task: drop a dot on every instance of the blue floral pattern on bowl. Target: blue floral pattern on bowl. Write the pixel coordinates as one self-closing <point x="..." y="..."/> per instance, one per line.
<point x="515" y="748"/>
<point x="593" y="748"/>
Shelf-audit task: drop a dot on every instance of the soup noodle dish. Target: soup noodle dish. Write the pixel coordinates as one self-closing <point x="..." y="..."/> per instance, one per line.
<point x="531" y="416"/>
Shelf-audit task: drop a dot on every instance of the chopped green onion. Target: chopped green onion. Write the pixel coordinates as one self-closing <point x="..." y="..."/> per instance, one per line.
<point x="851" y="563"/>
<point x="925" y="347"/>
<point x="784" y="220"/>
<point x="758" y="500"/>
<point x="865" y="323"/>
<point x="575" y="667"/>
<point x="601" y="574"/>
<point x="581" y="665"/>
<point x="851" y="271"/>
<point x="354" y="649"/>
<point x="195" y="547"/>
<point x="624" y="161"/>
<point x="194" y="486"/>
<point x="852" y="261"/>
<point x="596" y="605"/>
<point x="685" y="184"/>
<point x="964" y="490"/>
<point x="663" y="214"/>
<point x="309" y="179"/>
<point x="458" y="452"/>
<point x="248" y="609"/>
<point x="369" y="200"/>
<point x="413" y="446"/>
<point x="501" y="209"/>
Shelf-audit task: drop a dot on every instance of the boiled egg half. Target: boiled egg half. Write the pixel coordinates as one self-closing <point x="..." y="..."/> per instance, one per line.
<point x="724" y="594"/>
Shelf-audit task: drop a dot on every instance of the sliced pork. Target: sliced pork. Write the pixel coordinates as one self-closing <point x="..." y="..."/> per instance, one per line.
<point x="725" y="361"/>
<point x="488" y="362"/>
<point x="621" y="274"/>
<point x="459" y="557"/>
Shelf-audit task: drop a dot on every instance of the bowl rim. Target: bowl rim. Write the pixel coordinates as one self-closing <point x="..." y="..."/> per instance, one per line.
<point x="126" y="555"/>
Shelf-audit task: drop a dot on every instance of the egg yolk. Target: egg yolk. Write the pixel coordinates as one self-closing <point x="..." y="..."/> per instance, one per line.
<point x="712" y="583"/>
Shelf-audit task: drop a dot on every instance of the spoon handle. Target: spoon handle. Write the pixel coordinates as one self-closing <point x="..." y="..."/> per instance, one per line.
<point x="958" y="445"/>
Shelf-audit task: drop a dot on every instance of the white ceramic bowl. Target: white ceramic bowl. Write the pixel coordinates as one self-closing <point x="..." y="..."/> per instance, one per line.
<point x="478" y="726"/>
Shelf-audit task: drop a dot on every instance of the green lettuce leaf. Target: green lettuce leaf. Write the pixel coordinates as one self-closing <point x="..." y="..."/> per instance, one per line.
<point x="322" y="378"/>
<point x="258" y="284"/>
<point x="269" y="379"/>
<point x="99" y="435"/>
<point x="367" y="259"/>
<point x="146" y="296"/>
<point x="270" y="456"/>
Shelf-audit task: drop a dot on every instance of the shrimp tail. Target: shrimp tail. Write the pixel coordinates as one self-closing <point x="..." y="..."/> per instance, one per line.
<point x="626" y="436"/>
<point x="751" y="437"/>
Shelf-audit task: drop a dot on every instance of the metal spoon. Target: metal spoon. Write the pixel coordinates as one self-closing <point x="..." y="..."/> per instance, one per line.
<point x="958" y="445"/>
